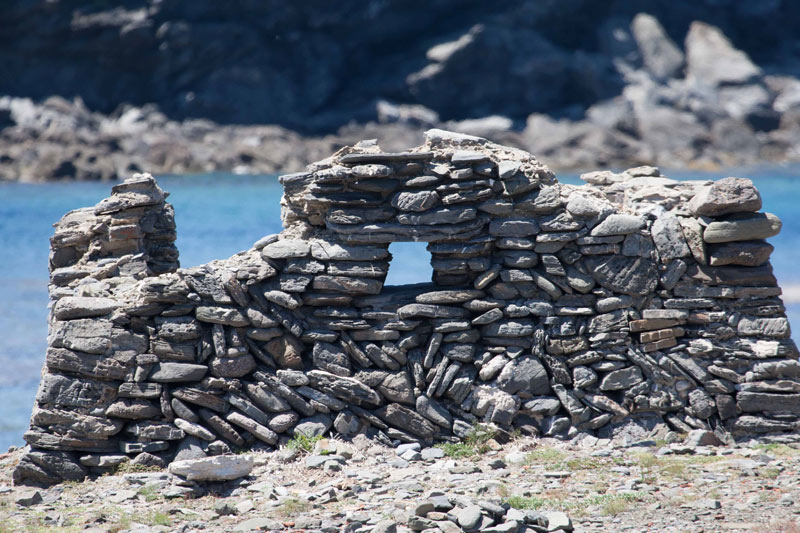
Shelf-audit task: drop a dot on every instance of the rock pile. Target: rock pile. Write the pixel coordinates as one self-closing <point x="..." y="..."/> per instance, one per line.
<point x="553" y="309"/>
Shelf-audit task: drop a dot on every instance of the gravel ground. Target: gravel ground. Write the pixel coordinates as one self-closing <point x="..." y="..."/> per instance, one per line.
<point x="586" y="484"/>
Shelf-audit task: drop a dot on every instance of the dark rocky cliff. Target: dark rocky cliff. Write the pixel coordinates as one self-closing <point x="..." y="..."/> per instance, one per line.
<point x="316" y="65"/>
<point x="95" y="90"/>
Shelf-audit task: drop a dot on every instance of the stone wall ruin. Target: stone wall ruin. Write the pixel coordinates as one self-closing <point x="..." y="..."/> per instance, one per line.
<point x="553" y="309"/>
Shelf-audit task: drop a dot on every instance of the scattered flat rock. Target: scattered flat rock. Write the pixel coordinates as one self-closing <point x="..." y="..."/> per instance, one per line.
<point x="220" y="468"/>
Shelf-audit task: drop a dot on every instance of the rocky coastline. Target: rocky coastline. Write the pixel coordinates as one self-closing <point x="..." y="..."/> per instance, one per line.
<point x="684" y="98"/>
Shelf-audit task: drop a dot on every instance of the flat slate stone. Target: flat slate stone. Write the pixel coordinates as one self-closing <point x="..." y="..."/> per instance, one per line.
<point x="71" y="307"/>
<point x="219" y="468"/>
<point x="734" y="276"/>
<point x="746" y="253"/>
<point x="354" y="158"/>
<point x="754" y="402"/>
<point x="449" y="296"/>
<point x="442" y="215"/>
<point x="404" y="418"/>
<point x="285" y="249"/>
<point x="514" y="227"/>
<point x="626" y="275"/>
<point x="415" y="201"/>
<point x="330" y="251"/>
<point x="618" y="224"/>
<point x="743" y="228"/>
<point x="621" y="379"/>
<point x="668" y="237"/>
<point x="226" y="316"/>
<point x="167" y="372"/>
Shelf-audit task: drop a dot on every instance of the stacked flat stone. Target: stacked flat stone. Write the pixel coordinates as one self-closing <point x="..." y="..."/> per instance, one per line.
<point x="553" y="309"/>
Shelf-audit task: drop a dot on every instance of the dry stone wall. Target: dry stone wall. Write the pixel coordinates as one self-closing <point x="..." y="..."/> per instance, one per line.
<point x="553" y="309"/>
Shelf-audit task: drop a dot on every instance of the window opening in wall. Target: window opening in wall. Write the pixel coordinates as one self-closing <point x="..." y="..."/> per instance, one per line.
<point x="411" y="263"/>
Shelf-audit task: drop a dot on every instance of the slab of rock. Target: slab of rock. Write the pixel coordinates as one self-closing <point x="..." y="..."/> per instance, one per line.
<point x="747" y="253"/>
<point x="621" y="379"/>
<point x="332" y="251"/>
<point x="403" y="418"/>
<point x="743" y="228"/>
<point x="415" y="201"/>
<point x="285" y="249"/>
<point x="71" y="307"/>
<point x="618" y="224"/>
<point x="168" y="372"/>
<point x="726" y="196"/>
<point x="634" y="276"/>
<point x="219" y="468"/>
<point x="668" y="238"/>
<point x="226" y="316"/>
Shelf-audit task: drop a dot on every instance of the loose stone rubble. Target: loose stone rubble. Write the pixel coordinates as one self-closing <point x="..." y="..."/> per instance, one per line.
<point x="553" y="310"/>
<point x="645" y="480"/>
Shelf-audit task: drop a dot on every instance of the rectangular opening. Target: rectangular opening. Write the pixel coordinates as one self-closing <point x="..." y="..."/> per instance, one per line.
<point x="410" y="264"/>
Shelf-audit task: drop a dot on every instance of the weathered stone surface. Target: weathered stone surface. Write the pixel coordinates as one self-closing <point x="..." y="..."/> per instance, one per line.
<point x="286" y="249"/>
<point x="219" y="468"/>
<point x="348" y="285"/>
<point x="668" y="237"/>
<point x="232" y="367"/>
<point x="767" y="327"/>
<point x="65" y="391"/>
<point x="618" y="224"/>
<point x="287" y="351"/>
<point x="226" y="316"/>
<point x="514" y="227"/>
<point x="83" y="335"/>
<point x="747" y="253"/>
<point x="621" y="379"/>
<point x="752" y="402"/>
<point x="86" y="365"/>
<point x="631" y="276"/>
<point x="442" y="215"/>
<point x="177" y="372"/>
<point x="71" y="307"/>
<point x="743" y="228"/>
<point x="331" y="251"/>
<point x="154" y="431"/>
<point x="403" y="418"/>
<point x="348" y="389"/>
<point x="415" y="201"/>
<point x="728" y="195"/>
<point x="524" y="374"/>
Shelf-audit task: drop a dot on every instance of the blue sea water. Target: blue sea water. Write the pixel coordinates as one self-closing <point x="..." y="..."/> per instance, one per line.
<point x="218" y="215"/>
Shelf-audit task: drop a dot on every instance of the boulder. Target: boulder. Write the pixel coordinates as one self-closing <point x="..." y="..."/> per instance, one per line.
<point x="660" y="55"/>
<point x="711" y="59"/>
<point x="219" y="468"/>
<point x="726" y="196"/>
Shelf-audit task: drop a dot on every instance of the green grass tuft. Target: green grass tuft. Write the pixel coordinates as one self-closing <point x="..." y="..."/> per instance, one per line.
<point x="475" y="443"/>
<point x="303" y="443"/>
